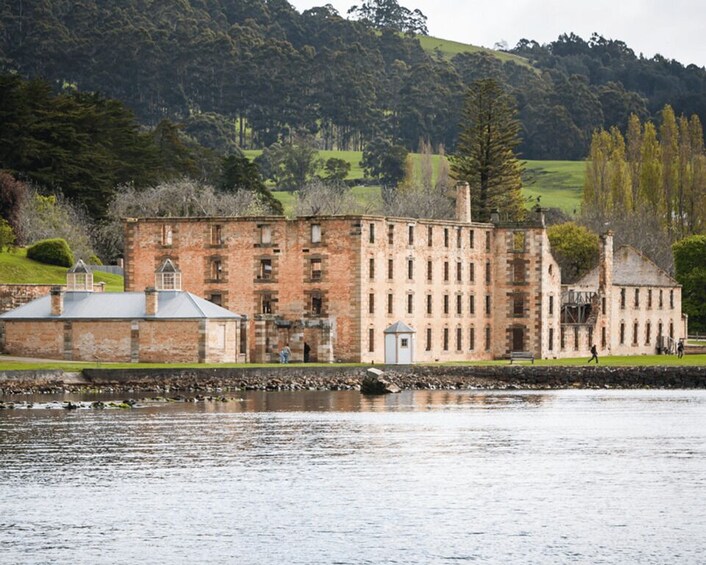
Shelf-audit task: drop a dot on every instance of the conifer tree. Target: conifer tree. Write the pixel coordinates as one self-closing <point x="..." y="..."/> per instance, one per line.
<point x="485" y="155"/>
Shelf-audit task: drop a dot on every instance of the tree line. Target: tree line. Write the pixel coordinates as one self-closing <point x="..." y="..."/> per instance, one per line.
<point x="256" y="72"/>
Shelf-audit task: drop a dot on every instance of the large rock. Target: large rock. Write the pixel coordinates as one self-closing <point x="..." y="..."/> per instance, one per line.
<point x="375" y="382"/>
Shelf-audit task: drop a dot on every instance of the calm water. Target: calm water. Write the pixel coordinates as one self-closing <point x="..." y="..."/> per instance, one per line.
<point x="331" y="477"/>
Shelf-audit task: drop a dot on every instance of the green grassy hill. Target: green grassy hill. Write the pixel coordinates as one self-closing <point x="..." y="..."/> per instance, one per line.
<point x="558" y="183"/>
<point x="16" y="268"/>
<point x="450" y="48"/>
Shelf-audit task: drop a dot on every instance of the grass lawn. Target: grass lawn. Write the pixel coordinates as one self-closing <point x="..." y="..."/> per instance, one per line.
<point x="16" y="268"/>
<point x="623" y="361"/>
<point x="450" y="48"/>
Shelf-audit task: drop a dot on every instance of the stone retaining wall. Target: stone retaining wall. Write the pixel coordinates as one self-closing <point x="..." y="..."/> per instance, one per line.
<point x="349" y="378"/>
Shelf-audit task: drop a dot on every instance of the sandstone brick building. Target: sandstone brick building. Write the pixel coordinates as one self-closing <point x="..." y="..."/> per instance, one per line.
<point x="328" y="286"/>
<point x="162" y="324"/>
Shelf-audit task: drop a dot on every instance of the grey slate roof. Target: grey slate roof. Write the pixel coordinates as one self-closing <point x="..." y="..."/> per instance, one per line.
<point x="399" y="328"/>
<point x="175" y="305"/>
<point x="631" y="268"/>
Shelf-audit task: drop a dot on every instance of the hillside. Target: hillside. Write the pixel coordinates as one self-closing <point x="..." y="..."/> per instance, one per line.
<point x="449" y="49"/>
<point x="15" y="268"/>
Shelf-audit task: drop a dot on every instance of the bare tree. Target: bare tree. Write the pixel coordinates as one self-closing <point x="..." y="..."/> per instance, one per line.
<point x="419" y="202"/>
<point x="319" y="198"/>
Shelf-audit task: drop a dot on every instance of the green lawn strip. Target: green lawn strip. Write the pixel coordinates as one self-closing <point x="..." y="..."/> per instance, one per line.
<point x="15" y="268"/>
<point x="613" y="361"/>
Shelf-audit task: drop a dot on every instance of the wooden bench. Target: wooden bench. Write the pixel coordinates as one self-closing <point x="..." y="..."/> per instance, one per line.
<point x="521" y="356"/>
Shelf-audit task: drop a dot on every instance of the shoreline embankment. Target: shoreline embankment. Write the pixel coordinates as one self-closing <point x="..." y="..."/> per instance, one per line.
<point x="333" y="377"/>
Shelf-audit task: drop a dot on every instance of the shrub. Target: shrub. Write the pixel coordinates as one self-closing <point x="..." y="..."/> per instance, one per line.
<point x="7" y="235"/>
<point x="52" y="252"/>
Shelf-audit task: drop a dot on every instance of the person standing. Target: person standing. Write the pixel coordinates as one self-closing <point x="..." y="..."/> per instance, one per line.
<point x="594" y="354"/>
<point x="680" y="349"/>
<point x="286" y="352"/>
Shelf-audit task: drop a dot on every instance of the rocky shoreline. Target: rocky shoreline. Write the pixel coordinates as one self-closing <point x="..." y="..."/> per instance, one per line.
<point x="332" y="377"/>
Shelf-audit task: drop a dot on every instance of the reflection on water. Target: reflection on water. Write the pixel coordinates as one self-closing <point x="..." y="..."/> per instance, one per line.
<point x="335" y="477"/>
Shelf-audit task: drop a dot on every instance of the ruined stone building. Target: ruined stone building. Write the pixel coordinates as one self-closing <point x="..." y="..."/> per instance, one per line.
<point x="329" y="286"/>
<point x="163" y="324"/>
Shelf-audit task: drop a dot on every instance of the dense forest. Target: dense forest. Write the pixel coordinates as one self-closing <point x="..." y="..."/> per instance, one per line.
<point x="252" y="72"/>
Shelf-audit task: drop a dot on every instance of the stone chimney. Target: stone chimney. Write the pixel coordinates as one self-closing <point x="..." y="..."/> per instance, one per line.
<point x="151" y="301"/>
<point x="605" y="262"/>
<point x="463" y="202"/>
<point x="57" y="301"/>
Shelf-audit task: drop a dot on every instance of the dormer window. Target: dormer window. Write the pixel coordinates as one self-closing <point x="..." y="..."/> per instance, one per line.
<point x="79" y="278"/>
<point x="167" y="277"/>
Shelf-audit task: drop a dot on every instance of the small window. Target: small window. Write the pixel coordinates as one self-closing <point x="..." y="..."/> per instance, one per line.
<point x="487" y="304"/>
<point x="622" y="299"/>
<point x="372" y="233"/>
<point x="661" y="299"/>
<point x="390" y="269"/>
<point x="648" y="333"/>
<point x="487" y="241"/>
<point x="446" y="271"/>
<point x="637" y="298"/>
<point x="472" y="304"/>
<point x="487" y="338"/>
<point x="472" y="338"/>
<point x="410" y="235"/>
<point x="371" y="340"/>
<point x="266" y="304"/>
<point x="471" y="241"/>
<point x="428" y="343"/>
<point x="518" y="271"/>
<point x="316" y="303"/>
<point x="635" y="332"/>
<point x="622" y="333"/>
<point x="518" y="303"/>
<point x="487" y="272"/>
<point x="410" y="269"/>
<point x="459" y="304"/>
<point x="430" y="236"/>
<point x="216" y="298"/>
<point x="446" y="339"/>
<point x="671" y="299"/>
<point x="458" y="238"/>
<point x="371" y="268"/>
<point x="167" y="234"/>
<point x="429" y="270"/>
<point x="410" y="303"/>
<point x="404" y="342"/>
<point x="472" y="272"/>
<point x="265" y="234"/>
<point x="216" y="234"/>
<point x="459" y="339"/>
<point x="316" y="269"/>
<point x="429" y="302"/>
<point x="446" y="303"/>
<point x="390" y="299"/>
<point x="603" y="305"/>
<point x="265" y="268"/>
<point x="459" y="271"/>
<point x="604" y="338"/>
<point x="390" y="234"/>
<point x="315" y="233"/>
<point x="551" y="305"/>
<point x="518" y="241"/>
<point x="562" y="339"/>
<point x="446" y="237"/>
<point x="576" y="338"/>
<point x="216" y="270"/>
<point x="649" y="298"/>
<point x="550" y="342"/>
<point x="371" y="303"/>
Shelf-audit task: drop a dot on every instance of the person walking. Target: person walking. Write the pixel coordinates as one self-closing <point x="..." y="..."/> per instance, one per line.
<point x="286" y="352"/>
<point x="680" y="349"/>
<point x="594" y="354"/>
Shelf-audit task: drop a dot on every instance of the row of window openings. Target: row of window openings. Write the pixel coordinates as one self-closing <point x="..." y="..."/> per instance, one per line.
<point x="216" y="234"/>
<point x="315" y="303"/>
<point x="604" y="341"/>
<point x="430" y="271"/>
<point x="445" y="340"/>
<point x="430" y="236"/>
<point x="519" y="304"/>
<point x="636" y="298"/>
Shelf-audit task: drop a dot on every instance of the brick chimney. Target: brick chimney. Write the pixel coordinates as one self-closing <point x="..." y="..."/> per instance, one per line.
<point x="151" y="301"/>
<point x="463" y="202"/>
<point x="57" y="301"/>
<point x="605" y="261"/>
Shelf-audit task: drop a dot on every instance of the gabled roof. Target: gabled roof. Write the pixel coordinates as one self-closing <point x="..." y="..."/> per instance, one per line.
<point x="120" y="306"/>
<point x="79" y="267"/>
<point x="631" y="268"/>
<point x="399" y="328"/>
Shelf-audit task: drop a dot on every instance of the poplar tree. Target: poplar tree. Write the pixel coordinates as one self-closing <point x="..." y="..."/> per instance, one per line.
<point x="670" y="155"/>
<point x="485" y="155"/>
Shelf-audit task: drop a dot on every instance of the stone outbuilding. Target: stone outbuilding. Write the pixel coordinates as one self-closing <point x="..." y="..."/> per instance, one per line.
<point x="163" y="324"/>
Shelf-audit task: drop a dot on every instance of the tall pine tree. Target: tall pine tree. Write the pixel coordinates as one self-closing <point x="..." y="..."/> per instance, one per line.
<point x="485" y="155"/>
